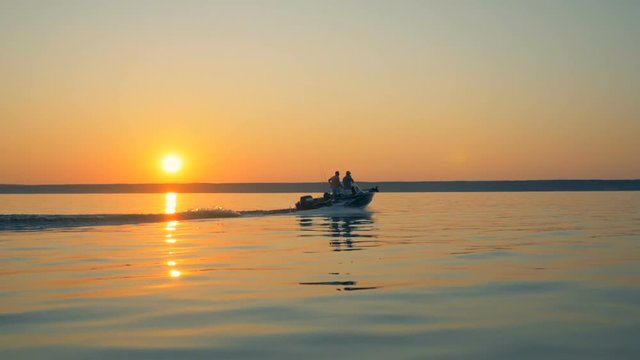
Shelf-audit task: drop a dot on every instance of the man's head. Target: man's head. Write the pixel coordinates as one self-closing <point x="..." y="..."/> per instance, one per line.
<point x="348" y="172"/>
<point x="337" y="172"/>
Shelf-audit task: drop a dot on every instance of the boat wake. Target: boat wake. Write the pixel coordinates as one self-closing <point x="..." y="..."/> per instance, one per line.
<point x="26" y="222"/>
<point x="35" y="222"/>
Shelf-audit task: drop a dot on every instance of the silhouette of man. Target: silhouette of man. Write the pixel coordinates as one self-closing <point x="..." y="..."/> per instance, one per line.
<point x="347" y="182"/>
<point x="334" y="182"/>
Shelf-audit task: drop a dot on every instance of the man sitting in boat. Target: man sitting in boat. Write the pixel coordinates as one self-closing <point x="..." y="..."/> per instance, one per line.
<point x="334" y="182"/>
<point x="347" y="183"/>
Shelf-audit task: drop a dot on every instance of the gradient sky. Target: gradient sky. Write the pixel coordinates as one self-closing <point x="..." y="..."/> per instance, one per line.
<point x="99" y="91"/>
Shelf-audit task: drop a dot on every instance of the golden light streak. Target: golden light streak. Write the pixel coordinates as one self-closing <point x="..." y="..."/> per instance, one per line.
<point x="171" y="225"/>
<point x="171" y="200"/>
<point x="170" y="208"/>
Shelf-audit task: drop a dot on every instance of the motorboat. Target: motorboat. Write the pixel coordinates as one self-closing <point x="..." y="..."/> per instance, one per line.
<point x="355" y="198"/>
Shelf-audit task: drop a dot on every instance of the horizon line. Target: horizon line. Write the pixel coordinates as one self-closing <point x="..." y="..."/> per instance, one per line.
<point x="316" y="182"/>
<point x="313" y="187"/>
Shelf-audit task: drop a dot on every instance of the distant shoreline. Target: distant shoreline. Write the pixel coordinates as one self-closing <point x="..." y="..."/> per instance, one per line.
<point x="385" y="186"/>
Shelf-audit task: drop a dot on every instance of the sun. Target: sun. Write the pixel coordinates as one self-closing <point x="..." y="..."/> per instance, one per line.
<point x="171" y="164"/>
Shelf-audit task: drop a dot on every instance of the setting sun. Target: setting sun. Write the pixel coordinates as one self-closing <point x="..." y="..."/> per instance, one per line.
<point x="171" y="163"/>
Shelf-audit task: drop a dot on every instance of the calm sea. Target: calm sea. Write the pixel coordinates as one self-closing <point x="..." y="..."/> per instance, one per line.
<point x="419" y="276"/>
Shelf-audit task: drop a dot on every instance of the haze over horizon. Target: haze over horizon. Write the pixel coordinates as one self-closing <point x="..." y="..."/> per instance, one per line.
<point x="98" y="92"/>
<point x="365" y="181"/>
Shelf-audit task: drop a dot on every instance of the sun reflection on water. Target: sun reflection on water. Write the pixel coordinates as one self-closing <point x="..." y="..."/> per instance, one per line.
<point x="171" y="225"/>
<point x="171" y="201"/>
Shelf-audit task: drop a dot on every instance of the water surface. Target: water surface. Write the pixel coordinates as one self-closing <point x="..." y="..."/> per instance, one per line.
<point x="418" y="276"/>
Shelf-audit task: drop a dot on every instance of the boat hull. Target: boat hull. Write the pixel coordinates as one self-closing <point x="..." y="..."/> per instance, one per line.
<point x="358" y="200"/>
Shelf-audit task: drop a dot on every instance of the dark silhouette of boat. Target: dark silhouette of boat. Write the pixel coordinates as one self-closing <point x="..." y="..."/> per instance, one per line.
<point x="357" y="199"/>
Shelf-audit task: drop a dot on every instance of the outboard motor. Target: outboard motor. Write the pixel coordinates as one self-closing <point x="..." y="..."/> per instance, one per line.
<point x="305" y="202"/>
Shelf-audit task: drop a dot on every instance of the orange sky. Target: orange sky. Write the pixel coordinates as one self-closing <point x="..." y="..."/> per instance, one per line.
<point x="98" y="92"/>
